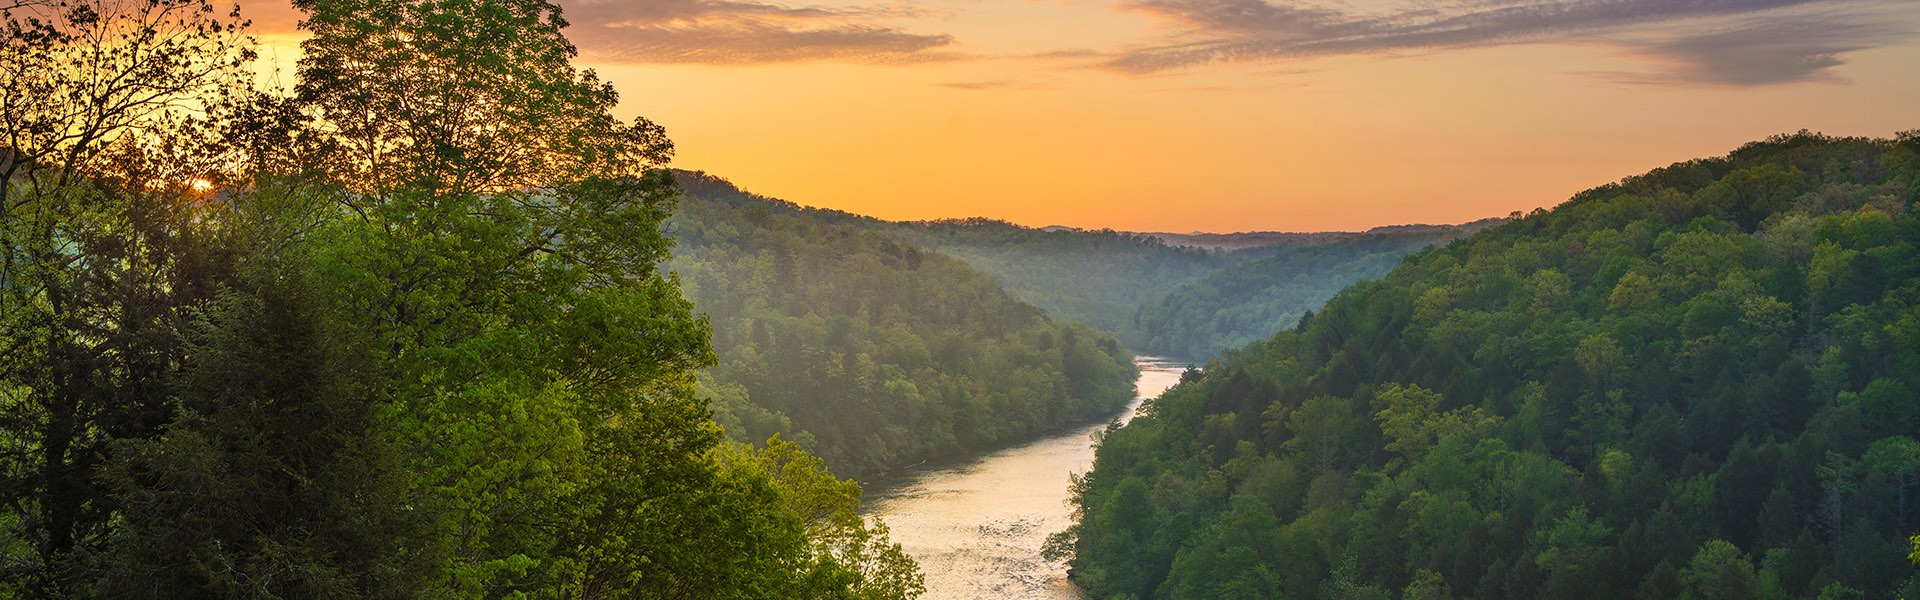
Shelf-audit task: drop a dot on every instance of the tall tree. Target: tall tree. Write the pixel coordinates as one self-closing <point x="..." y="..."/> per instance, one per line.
<point x="98" y="265"/>
<point x="539" y="369"/>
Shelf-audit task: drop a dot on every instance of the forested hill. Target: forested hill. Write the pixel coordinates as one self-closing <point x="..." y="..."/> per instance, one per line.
<point x="1094" y="277"/>
<point x="1698" y="382"/>
<point x="1183" y="295"/>
<point x="1248" y="302"/>
<point x="869" y="349"/>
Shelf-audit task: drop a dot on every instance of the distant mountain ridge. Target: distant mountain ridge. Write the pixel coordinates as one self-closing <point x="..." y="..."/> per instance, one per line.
<point x="1258" y="239"/>
<point x="1181" y="295"/>
<point x="1249" y="302"/>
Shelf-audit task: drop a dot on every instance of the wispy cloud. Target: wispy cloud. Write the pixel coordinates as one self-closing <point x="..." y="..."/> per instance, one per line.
<point x="1007" y="85"/>
<point x="1748" y="42"/>
<point x="718" y="31"/>
<point x="1759" y="54"/>
<point x="736" y="32"/>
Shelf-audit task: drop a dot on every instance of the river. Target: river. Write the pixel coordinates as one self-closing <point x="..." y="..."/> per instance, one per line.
<point x="976" y="527"/>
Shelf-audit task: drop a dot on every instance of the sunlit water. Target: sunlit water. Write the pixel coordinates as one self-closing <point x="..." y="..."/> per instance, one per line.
<point x="976" y="527"/>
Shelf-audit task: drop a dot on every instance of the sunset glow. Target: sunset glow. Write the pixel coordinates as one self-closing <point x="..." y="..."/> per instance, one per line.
<point x="1227" y="115"/>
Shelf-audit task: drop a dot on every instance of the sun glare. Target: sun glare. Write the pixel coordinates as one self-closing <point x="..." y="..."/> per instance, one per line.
<point x="200" y="186"/>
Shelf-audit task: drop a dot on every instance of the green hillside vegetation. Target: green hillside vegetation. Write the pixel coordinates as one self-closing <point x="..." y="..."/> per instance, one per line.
<point x="1695" y="383"/>
<point x="401" y="335"/>
<point x="1094" y="277"/>
<point x="872" y="351"/>
<point x="1179" y="295"/>
<point x="1245" y="303"/>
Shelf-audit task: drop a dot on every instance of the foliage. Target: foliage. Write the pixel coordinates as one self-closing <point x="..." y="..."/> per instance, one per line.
<point x="1697" y="383"/>
<point x="404" y="335"/>
<point x="98" y="263"/>
<point x="872" y="351"/>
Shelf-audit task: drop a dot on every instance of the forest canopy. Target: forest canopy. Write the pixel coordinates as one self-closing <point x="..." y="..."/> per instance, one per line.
<point x="1694" y="383"/>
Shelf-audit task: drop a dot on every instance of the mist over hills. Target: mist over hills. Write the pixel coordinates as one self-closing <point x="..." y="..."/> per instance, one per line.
<point x="1180" y="295"/>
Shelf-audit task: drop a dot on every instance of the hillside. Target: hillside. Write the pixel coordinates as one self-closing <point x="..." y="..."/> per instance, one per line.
<point x="1699" y="382"/>
<point x="1180" y="295"/>
<point x="1093" y="277"/>
<point x="870" y="350"/>
<point x="1247" y="302"/>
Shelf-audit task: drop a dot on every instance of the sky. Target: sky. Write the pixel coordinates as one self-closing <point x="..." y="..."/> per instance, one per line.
<point x="1227" y="115"/>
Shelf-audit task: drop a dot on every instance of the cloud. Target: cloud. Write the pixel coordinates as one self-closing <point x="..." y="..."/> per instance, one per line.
<point x="1224" y="31"/>
<point x="716" y="31"/>
<point x="1024" y="86"/>
<point x="736" y="32"/>
<point x="1759" y="54"/>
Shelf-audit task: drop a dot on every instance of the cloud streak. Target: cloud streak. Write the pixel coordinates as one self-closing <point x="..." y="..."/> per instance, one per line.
<point x="1761" y="54"/>
<point x="737" y="32"/>
<point x="715" y="31"/>
<point x="1754" y="43"/>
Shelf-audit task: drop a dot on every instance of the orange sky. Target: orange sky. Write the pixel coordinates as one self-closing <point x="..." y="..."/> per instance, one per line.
<point x="1229" y="115"/>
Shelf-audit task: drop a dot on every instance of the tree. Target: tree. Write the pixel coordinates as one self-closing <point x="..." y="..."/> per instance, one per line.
<point x="277" y="478"/>
<point x="429" y="352"/>
<point x="1896" y="459"/>
<point x="1320" y="427"/>
<point x="98" y="262"/>
<point x="846" y="551"/>
<point x="1719" y="571"/>
<point x="1571" y="553"/>
<point x="470" y="96"/>
<point x="82" y="75"/>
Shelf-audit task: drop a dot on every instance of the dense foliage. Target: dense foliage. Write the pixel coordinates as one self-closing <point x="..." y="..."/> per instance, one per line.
<point x="403" y="335"/>
<point x="875" y="352"/>
<point x="1245" y="303"/>
<point x="1695" y="383"/>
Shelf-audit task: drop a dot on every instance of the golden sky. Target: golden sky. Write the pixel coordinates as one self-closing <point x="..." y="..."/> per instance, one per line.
<point x="1229" y="115"/>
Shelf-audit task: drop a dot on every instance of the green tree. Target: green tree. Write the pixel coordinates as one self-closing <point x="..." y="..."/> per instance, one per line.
<point x="849" y="556"/>
<point x="1719" y="571"/>
<point x="277" y="478"/>
<point x="99" y="263"/>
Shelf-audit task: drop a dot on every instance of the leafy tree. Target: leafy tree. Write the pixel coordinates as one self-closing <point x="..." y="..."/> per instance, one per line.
<point x="848" y="554"/>
<point x="277" y="477"/>
<point x="98" y="261"/>
<point x="1719" y="571"/>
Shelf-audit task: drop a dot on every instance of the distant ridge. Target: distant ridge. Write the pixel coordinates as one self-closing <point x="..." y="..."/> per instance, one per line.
<point x="1259" y="239"/>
